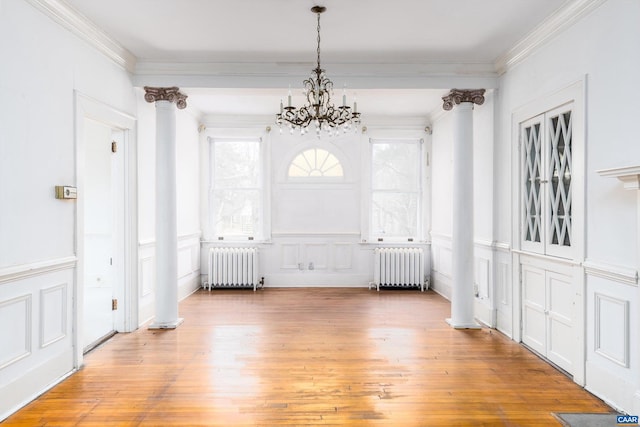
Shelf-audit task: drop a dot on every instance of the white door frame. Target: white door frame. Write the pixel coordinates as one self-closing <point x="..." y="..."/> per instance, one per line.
<point x="127" y="316"/>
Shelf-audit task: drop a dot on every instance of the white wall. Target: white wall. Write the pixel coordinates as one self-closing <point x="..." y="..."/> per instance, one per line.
<point x="601" y="50"/>
<point x="318" y="227"/>
<point x="441" y="207"/>
<point x="43" y="67"/>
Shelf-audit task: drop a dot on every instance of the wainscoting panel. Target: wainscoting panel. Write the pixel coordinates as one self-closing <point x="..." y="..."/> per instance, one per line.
<point x="441" y="265"/>
<point x="184" y="262"/>
<point x="188" y="264"/>
<point x="36" y="342"/>
<point x="612" y="329"/>
<point x="290" y="256"/>
<point x="316" y="259"/>
<point x="488" y="284"/>
<point x="189" y="280"/>
<point x="15" y="335"/>
<point x="53" y="314"/>
<point x="146" y="280"/>
<point x="343" y="255"/>
<point x="147" y="275"/>
<point x="482" y="276"/>
<point x="504" y="294"/>
<point x="612" y="344"/>
<point x="319" y="253"/>
<point x="444" y="266"/>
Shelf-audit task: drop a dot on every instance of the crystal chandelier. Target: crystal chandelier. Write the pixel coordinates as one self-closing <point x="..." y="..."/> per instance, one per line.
<point x="318" y="111"/>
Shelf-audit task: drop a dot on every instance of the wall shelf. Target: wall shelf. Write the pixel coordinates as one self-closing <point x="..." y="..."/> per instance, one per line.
<point x="629" y="175"/>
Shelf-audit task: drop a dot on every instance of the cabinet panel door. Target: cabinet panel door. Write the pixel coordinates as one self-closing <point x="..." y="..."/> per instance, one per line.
<point x="533" y="309"/>
<point x="561" y="343"/>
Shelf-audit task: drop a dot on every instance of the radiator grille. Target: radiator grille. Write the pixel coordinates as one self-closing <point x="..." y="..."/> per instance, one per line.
<point x="233" y="268"/>
<point x="399" y="267"/>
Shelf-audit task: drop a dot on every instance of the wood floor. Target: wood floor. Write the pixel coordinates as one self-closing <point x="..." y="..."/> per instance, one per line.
<point x="316" y="356"/>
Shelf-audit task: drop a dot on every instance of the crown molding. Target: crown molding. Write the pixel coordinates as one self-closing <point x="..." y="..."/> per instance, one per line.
<point x="562" y="19"/>
<point x="81" y="26"/>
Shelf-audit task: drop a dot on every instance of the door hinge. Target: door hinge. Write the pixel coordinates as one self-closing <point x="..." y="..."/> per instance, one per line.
<point x="114" y="147"/>
<point x="114" y="304"/>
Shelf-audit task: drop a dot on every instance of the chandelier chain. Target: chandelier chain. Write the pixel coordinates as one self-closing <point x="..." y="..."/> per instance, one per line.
<point x="318" y="40"/>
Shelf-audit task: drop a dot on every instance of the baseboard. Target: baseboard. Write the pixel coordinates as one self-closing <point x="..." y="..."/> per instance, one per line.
<point x="617" y="392"/>
<point x="188" y="285"/>
<point x="441" y="286"/>
<point x="483" y="313"/>
<point x="34" y="383"/>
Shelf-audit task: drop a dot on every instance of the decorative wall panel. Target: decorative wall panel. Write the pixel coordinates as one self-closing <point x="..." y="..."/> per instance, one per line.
<point x="184" y="261"/>
<point x="290" y="255"/>
<point x="503" y="283"/>
<point x="147" y="275"/>
<point x="342" y="256"/>
<point x="318" y="255"/>
<point x="53" y="314"/>
<point x="444" y="260"/>
<point x="612" y="329"/>
<point x="16" y="340"/>
<point x="482" y="277"/>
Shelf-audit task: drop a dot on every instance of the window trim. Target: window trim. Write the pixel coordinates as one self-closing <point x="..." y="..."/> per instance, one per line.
<point x="420" y="191"/>
<point x="261" y="233"/>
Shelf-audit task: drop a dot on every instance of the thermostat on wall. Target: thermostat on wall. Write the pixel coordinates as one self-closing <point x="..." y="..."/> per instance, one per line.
<point x="65" y="192"/>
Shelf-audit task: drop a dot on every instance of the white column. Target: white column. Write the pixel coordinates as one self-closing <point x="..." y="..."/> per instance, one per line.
<point x="166" y="302"/>
<point x="462" y="291"/>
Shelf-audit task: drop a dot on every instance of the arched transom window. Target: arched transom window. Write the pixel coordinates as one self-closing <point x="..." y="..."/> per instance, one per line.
<point x="315" y="163"/>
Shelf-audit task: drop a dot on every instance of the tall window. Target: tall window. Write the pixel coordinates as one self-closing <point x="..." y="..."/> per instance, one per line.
<point x="546" y="181"/>
<point x="396" y="189"/>
<point x="236" y="188"/>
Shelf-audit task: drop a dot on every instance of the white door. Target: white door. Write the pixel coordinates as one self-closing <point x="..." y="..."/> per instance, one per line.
<point x="103" y="234"/>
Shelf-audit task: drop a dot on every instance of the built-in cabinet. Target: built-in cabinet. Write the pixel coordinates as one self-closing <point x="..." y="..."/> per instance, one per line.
<point x="548" y="315"/>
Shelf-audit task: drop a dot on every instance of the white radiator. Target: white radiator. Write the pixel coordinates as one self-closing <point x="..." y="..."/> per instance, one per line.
<point x="233" y="268"/>
<point x="399" y="267"/>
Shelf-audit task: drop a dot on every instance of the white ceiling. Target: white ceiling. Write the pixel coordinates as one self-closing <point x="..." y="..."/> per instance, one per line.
<point x="282" y="33"/>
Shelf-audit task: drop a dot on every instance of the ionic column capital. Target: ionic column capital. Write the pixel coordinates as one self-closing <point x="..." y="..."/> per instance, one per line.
<point x="458" y="96"/>
<point x="171" y="94"/>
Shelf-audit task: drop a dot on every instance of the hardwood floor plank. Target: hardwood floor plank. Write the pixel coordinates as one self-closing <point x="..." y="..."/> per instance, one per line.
<point x="335" y="356"/>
